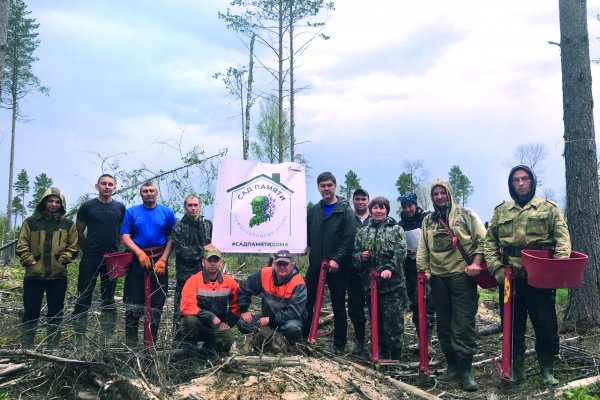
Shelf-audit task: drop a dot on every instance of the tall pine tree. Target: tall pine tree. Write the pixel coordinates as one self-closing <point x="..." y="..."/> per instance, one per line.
<point x="18" y="79"/>
<point x="41" y="183"/>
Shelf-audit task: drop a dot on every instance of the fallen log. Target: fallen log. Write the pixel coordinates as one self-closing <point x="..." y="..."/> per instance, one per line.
<point x="592" y="380"/>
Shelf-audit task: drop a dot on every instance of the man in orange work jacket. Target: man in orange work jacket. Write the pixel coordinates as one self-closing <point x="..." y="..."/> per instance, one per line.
<point x="209" y="304"/>
<point x="283" y="305"/>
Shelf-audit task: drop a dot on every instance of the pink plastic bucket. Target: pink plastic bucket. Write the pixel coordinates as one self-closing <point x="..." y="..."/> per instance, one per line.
<point x="118" y="263"/>
<point x="485" y="280"/>
<point x="546" y="272"/>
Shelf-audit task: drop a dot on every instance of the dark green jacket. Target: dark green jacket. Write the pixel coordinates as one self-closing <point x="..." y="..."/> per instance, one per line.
<point x="189" y="238"/>
<point x="331" y="237"/>
<point x="47" y="244"/>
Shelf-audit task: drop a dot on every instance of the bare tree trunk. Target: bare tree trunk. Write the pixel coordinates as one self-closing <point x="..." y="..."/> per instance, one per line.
<point x="249" y="101"/>
<point x="281" y="123"/>
<point x="292" y="97"/>
<point x="4" y="10"/>
<point x="583" y="200"/>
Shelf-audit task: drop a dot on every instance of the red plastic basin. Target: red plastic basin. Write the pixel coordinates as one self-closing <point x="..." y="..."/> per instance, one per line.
<point x="118" y="263"/>
<point x="546" y="272"/>
<point x="485" y="280"/>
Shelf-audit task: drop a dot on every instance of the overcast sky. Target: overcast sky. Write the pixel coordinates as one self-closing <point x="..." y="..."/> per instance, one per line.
<point x="444" y="82"/>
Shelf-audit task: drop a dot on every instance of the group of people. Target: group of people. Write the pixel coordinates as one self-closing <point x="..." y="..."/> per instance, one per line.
<point x="449" y="245"/>
<point x="356" y="243"/>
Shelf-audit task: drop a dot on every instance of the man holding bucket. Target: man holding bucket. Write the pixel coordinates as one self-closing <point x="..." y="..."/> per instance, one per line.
<point x="102" y="217"/>
<point x="528" y="222"/>
<point x="146" y="232"/>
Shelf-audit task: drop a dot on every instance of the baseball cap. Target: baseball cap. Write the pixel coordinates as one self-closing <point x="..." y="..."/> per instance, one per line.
<point x="361" y="191"/>
<point x="283" y="255"/>
<point x="212" y="252"/>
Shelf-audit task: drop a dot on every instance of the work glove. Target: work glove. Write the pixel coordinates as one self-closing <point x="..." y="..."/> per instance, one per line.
<point x="499" y="276"/>
<point x="144" y="259"/>
<point x="160" y="266"/>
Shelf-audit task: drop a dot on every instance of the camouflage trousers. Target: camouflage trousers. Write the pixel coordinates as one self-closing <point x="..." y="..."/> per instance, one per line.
<point x="390" y="307"/>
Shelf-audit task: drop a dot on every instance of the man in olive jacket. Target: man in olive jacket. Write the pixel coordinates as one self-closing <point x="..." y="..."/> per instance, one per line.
<point x="331" y="232"/>
<point x="454" y="291"/>
<point x="528" y="222"/>
<point x="47" y="244"/>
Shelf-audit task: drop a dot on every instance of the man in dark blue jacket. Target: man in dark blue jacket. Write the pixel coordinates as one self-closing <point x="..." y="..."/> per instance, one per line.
<point x="331" y="231"/>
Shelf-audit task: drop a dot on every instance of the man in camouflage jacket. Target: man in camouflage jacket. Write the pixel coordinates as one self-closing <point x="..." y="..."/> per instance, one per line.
<point x="190" y="235"/>
<point x="528" y="222"/>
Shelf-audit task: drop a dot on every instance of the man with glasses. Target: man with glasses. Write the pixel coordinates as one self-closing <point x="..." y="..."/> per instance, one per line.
<point x="283" y="305"/>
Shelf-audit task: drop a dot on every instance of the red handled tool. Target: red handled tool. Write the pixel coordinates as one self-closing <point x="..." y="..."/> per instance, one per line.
<point x="507" y="323"/>
<point x="373" y="276"/>
<point x="423" y="339"/>
<point x="148" y="310"/>
<point x="314" y="326"/>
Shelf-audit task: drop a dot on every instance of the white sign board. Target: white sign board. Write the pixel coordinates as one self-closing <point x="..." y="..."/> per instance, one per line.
<point x="260" y="207"/>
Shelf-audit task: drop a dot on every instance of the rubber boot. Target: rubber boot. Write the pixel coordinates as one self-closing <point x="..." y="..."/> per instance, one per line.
<point x="465" y="364"/>
<point x="359" y="339"/>
<point x="28" y="335"/>
<point x="80" y="327"/>
<point x="131" y="330"/>
<point x="518" y="369"/>
<point x="452" y="370"/>
<point x="154" y="325"/>
<point x="53" y="339"/>
<point x="546" y="362"/>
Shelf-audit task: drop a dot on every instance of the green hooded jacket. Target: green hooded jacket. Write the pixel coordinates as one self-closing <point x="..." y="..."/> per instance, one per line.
<point x="47" y="243"/>
<point x="436" y="254"/>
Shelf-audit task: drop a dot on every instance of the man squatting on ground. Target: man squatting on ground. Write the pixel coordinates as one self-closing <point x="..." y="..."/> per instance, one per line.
<point x="209" y="304"/>
<point x="190" y="235"/>
<point x="356" y="293"/>
<point x="283" y="303"/>
<point x="102" y="217"/>
<point x="528" y="222"/>
<point x="454" y="291"/>
<point x="146" y="232"/>
<point x="47" y="244"/>
<point x="331" y="230"/>
<point x="382" y="245"/>
<point x="411" y="219"/>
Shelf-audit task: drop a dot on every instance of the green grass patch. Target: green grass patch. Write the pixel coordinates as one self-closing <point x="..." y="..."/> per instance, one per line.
<point x="562" y="297"/>
<point x="581" y="394"/>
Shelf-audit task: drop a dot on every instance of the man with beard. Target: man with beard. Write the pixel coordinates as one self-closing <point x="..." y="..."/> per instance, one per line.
<point x="528" y="222"/>
<point x="454" y="291"/>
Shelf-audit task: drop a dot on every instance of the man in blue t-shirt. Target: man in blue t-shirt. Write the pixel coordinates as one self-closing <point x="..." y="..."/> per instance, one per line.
<point x="102" y="218"/>
<point x="146" y="232"/>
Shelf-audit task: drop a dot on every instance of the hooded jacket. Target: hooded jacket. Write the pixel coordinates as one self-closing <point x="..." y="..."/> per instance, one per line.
<point x="537" y="224"/>
<point x="436" y="253"/>
<point x="48" y="242"/>
<point x="386" y="241"/>
<point x="331" y="237"/>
